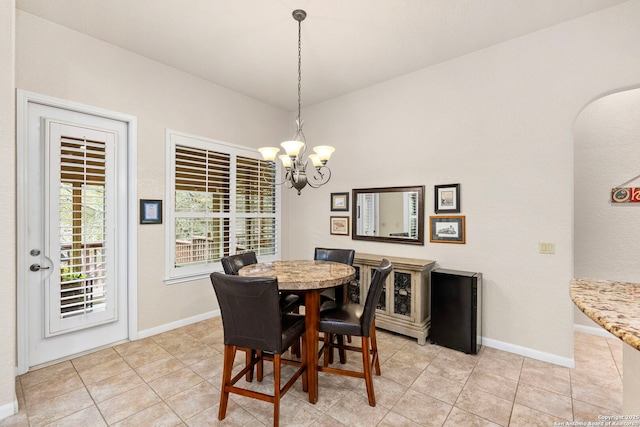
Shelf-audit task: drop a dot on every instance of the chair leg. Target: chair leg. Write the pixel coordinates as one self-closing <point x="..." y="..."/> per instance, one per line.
<point x="342" y="353"/>
<point x="276" y="389"/>
<point x="248" y="359"/>
<point x="229" y="356"/>
<point x="295" y="348"/>
<point x="260" y="368"/>
<point x="328" y="348"/>
<point x="366" y="362"/>
<point x="374" y="348"/>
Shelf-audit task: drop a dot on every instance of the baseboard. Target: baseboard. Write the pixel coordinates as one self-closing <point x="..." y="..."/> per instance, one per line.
<point x="9" y="409"/>
<point x="529" y="352"/>
<point x="178" y="324"/>
<point x="593" y="330"/>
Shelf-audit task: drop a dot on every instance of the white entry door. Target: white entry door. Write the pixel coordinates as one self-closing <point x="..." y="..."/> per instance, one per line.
<point x="76" y="205"/>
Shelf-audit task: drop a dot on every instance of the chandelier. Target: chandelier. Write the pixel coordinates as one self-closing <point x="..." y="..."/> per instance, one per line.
<point x="295" y="165"/>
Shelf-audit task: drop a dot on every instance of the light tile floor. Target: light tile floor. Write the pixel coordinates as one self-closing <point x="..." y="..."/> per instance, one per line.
<point x="173" y="379"/>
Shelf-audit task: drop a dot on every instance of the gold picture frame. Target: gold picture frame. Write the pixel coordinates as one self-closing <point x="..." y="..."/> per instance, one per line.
<point x="447" y="229"/>
<point x="339" y="225"/>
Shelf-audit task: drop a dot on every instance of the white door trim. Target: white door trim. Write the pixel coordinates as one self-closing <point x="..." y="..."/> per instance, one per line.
<point x="23" y="99"/>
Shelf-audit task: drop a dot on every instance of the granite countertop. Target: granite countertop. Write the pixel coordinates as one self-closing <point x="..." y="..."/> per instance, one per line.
<point x="613" y="305"/>
<point x="303" y="274"/>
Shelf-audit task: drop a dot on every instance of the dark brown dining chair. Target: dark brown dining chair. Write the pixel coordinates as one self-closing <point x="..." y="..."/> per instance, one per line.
<point x="251" y="318"/>
<point x="233" y="263"/>
<point x="345" y="256"/>
<point x="289" y="303"/>
<point x="330" y="297"/>
<point x="356" y="320"/>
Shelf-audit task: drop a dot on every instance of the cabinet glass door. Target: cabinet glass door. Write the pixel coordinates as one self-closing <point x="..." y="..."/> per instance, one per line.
<point x="402" y="293"/>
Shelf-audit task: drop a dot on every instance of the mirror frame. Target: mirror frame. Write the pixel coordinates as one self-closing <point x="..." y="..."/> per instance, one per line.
<point x="354" y="212"/>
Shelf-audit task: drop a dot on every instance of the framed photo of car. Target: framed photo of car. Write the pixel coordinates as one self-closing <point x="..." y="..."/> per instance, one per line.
<point x="447" y="229"/>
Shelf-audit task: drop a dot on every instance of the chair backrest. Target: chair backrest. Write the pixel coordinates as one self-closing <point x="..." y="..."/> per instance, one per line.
<point x="233" y="263"/>
<point x="373" y="296"/>
<point x="344" y="256"/>
<point x="250" y="310"/>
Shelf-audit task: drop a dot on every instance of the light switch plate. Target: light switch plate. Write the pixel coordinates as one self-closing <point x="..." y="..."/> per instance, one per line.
<point x="547" y="248"/>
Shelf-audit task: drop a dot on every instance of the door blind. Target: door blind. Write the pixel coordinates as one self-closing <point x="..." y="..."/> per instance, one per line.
<point x="82" y="207"/>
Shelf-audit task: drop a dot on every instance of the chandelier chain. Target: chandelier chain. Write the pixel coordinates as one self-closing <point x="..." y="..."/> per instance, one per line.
<point x="299" y="68"/>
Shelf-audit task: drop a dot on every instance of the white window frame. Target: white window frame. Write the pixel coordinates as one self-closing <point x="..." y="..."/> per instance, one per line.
<point x="174" y="138"/>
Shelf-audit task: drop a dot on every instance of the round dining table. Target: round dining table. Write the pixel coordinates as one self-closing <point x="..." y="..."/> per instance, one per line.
<point x="309" y="278"/>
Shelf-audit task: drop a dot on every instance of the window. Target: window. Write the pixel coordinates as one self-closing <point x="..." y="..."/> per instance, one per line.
<point x="222" y="199"/>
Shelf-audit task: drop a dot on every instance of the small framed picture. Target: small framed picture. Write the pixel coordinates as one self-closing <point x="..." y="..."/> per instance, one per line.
<point x="340" y="225"/>
<point x="150" y="211"/>
<point x="339" y="201"/>
<point x="447" y="198"/>
<point x="446" y="229"/>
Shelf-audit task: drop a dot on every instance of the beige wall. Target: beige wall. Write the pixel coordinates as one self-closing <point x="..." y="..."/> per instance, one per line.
<point x="499" y="122"/>
<point x="7" y="215"/>
<point x="55" y="61"/>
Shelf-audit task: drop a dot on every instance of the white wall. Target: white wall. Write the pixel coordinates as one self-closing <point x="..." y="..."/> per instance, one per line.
<point x="499" y="122"/>
<point x="607" y="154"/>
<point x="56" y="61"/>
<point x="8" y="403"/>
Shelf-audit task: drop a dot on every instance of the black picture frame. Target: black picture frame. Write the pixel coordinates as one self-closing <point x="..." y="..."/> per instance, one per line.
<point x="340" y="202"/>
<point x="150" y="211"/>
<point x="447" y="229"/>
<point x="446" y="198"/>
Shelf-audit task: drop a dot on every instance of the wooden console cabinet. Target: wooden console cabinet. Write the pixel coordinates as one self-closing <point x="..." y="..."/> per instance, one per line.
<point x="404" y="305"/>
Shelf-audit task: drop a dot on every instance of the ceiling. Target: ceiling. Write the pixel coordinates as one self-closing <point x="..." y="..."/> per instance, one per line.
<point x="250" y="46"/>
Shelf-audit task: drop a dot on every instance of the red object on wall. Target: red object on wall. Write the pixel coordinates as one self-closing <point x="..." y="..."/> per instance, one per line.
<point x="625" y="195"/>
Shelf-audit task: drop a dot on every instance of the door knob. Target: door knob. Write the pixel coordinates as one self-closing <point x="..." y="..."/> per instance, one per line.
<point x="36" y="267"/>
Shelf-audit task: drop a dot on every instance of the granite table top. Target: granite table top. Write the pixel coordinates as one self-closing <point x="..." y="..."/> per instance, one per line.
<point x="613" y="305"/>
<point x="302" y="274"/>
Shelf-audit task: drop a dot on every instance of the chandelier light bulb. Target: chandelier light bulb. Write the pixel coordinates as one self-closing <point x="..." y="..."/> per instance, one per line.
<point x="324" y="152"/>
<point x="316" y="160"/>
<point x="292" y="147"/>
<point x="286" y="160"/>
<point x="269" y="153"/>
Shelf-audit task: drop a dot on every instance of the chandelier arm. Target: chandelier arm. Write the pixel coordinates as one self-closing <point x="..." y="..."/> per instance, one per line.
<point x="319" y="177"/>
<point x="266" y="181"/>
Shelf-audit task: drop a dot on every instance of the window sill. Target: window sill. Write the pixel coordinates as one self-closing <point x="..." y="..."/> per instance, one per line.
<point x="187" y="278"/>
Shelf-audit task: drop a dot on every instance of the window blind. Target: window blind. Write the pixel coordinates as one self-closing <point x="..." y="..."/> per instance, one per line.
<point x="202" y="205"/>
<point x="225" y="202"/>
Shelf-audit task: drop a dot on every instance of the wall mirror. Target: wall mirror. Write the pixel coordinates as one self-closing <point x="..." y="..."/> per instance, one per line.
<point x="389" y="214"/>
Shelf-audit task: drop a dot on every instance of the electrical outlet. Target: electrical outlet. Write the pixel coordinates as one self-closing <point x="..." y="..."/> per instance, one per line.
<point x="547" y="248"/>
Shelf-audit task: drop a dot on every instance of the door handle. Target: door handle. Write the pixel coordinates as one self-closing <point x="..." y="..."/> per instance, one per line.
<point x="36" y="267"/>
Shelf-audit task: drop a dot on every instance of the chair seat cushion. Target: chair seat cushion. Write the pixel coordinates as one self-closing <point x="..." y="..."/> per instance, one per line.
<point x="342" y="319"/>
<point x="289" y="302"/>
